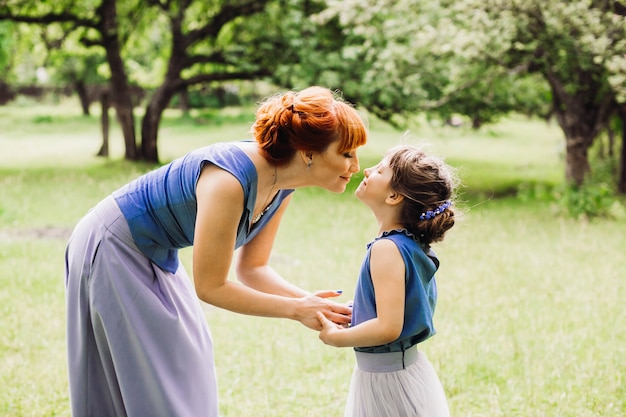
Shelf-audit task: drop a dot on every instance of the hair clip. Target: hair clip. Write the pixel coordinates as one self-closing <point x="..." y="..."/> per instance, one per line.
<point x="432" y="213"/>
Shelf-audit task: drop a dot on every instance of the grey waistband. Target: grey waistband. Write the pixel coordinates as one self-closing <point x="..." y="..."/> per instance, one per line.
<point x="386" y="362"/>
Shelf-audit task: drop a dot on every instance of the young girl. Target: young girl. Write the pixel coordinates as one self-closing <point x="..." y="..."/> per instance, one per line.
<point x="410" y="194"/>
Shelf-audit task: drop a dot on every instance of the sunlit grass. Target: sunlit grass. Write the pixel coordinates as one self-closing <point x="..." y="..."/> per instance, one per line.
<point x="530" y="312"/>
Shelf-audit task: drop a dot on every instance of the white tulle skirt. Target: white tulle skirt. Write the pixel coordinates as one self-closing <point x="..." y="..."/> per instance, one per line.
<point x="395" y="385"/>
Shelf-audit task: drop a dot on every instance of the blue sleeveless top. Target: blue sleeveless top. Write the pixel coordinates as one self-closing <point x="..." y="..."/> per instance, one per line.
<point x="420" y="293"/>
<point x="161" y="206"/>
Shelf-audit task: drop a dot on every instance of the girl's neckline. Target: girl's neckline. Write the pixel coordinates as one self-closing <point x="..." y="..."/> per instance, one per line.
<point x="400" y="230"/>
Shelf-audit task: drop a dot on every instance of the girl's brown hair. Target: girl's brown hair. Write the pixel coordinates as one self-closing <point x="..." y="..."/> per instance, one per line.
<point x="308" y="120"/>
<point x="426" y="182"/>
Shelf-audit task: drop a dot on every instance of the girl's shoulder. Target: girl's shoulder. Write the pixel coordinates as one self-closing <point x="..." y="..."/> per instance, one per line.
<point x="408" y="244"/>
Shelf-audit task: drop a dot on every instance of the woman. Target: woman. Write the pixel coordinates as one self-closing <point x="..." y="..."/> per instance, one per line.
<point x="138" y="341"/>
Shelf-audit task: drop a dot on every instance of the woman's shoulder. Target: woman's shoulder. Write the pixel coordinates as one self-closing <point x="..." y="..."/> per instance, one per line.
<point x="229" y="156"/>
<point x="222" y="150"/>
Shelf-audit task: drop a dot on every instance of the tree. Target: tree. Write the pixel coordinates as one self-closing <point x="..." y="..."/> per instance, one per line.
<point x="417" y="56"/>
<point x="234" y="40"/>
<point x="407" y="61"/>
<point x="198" y="47"/>
<point x="569" y="44"/>
<point x="68" y="62"/>
<point x="101" y="28"/>
<point x="204" y="42"/>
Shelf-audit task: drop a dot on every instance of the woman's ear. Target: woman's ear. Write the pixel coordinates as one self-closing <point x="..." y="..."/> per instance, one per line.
<point x="307" y="157"/>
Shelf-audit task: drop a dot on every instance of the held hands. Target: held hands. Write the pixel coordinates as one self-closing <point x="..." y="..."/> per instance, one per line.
<point x="318" y="303"/>
<point x="329" y="330"/>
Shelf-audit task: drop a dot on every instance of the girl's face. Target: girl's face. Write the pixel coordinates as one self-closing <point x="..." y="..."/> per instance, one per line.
<point x="375" y="187"/>
<point x="332" y="169"/>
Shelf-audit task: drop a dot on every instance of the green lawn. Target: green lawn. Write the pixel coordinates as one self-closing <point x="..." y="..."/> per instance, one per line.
<point x="530" y="315"/>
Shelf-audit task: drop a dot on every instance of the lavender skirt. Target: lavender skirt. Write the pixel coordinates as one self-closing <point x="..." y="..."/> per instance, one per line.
<point x="137" y="339"/>
<point x="393" y="384"/>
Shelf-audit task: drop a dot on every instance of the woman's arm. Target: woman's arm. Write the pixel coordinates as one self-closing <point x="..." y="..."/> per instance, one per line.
<point x="220" y="204"/>
<point x="254" y="271"/>
<point x="387" y="268"/>
<point x="251" y="261"/>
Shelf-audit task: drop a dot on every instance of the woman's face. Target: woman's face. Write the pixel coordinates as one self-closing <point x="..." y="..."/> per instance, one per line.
<point x="332" y="169"/>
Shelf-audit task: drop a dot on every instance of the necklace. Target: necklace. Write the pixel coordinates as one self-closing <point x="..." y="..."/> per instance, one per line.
<point x="267" y="206"/>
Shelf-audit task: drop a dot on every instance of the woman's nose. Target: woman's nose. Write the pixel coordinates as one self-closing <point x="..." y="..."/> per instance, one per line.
<point x="356" y="167"/>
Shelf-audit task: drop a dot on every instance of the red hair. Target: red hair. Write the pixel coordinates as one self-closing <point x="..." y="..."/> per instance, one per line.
<point x="308" y="120"/>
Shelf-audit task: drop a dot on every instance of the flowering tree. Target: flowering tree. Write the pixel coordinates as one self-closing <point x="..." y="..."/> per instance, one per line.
<point x="420" y="55"/>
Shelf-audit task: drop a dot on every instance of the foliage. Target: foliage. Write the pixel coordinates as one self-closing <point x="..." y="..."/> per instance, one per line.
<point x="27" y="54"/>
<point x="6" y="42"/>
<point x="471" y="57"/>
<point x="413" y="57"/>
<point x="589" y="201"/>
<point x="480" y="59"/>
<point x="595" y="198"/>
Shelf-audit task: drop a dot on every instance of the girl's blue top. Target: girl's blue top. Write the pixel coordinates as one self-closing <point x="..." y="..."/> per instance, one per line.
<point x="161" y="206"/>
<point x="420" y="293"/>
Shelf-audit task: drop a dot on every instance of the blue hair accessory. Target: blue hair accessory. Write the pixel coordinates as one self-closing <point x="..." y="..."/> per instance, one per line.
<point x="432" y="213"/>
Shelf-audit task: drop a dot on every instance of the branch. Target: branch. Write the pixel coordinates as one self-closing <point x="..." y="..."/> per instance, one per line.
<point x="226" y="14"/>
<point x="164" y="6"/>
<point x="619" y="8"/>
<point x="87" y="42"/>
<point x="6" y="14"/>
<point x="53" y="43"/>
<point x="214" y="58"/>
<point x="222" y="76"/>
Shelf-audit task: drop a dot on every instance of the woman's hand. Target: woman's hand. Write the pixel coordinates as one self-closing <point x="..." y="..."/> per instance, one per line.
<point x="310" y="305"/>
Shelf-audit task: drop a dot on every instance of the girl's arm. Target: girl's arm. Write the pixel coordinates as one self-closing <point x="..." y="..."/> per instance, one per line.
<point x="220" y="204"/>
<point x="387" y="268"/>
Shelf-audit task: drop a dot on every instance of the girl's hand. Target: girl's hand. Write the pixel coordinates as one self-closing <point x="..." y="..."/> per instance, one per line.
<point x="329" y="329"/>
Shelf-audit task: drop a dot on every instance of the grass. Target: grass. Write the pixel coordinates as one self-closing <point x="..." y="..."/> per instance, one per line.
<point x="530" y="312"/>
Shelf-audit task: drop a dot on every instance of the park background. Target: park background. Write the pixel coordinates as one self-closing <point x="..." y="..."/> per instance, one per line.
<point x="526" y="100"/>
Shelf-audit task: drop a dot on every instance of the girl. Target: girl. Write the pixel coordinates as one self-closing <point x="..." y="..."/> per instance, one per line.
<point x="138" y="340"/>
<point x="410" y="194"/>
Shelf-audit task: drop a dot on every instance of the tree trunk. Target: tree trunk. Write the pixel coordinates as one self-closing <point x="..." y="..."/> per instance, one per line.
<point x="81" y="90"/>
<point x="611" y="145"/>
<point x="152" y="119"/>
<point x="183" y="95"/>
<point x="621" y="184"/>
<point x="581" y="120"/>
<point x="120" y="90"/>
<point x="104" y="104"/>
<point x="576" y="160"/>
<point x="162" y="96"/>
<point x="579" y="136"/>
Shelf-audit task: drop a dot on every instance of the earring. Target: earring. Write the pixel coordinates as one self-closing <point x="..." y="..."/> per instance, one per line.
<point x="309" y="164"/>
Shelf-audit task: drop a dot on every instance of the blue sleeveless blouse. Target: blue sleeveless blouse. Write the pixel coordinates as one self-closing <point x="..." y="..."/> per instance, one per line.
<point x="161" y="206"/>
<point x="420" y="293"/>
